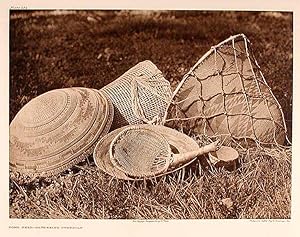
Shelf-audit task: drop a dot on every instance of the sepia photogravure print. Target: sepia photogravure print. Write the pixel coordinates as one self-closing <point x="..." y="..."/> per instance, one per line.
<point x="150" y="114"/>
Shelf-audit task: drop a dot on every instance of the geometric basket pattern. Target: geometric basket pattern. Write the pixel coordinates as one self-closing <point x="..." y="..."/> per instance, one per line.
<point x="225" y="94"/>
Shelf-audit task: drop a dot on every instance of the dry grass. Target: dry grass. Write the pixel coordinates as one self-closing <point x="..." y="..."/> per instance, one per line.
<point x="260" y="188"/>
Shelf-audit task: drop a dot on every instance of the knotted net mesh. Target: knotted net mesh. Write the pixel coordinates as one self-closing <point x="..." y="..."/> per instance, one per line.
<point x="225" y="95"/>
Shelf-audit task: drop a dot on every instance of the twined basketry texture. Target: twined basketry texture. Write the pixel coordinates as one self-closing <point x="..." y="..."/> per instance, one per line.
<point x="58" y="129"/>
<point x="140" y="95"/>
<point x="178" y="142"/>
<point x="140" y="152"/>
<point x="226" y="94"/>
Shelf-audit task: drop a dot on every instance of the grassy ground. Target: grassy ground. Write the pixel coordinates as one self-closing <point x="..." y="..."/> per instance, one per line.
<point x="50" y="50"/>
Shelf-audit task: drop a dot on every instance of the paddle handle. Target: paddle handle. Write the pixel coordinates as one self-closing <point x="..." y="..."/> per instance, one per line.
<point x="185" y="157"/>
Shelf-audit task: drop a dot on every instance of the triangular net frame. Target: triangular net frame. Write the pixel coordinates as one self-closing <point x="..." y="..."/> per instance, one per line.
<point x="226" y="96"/>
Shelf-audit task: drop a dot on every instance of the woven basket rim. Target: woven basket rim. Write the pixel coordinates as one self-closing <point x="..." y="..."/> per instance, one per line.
<point x="80" y="154"/>
<point x="180" y="141"/>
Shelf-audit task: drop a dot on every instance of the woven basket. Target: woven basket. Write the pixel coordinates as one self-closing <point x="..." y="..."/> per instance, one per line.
<point x="179" y="143"/>
<point x="57" y="130"/>
<point x="140" y="95"/>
